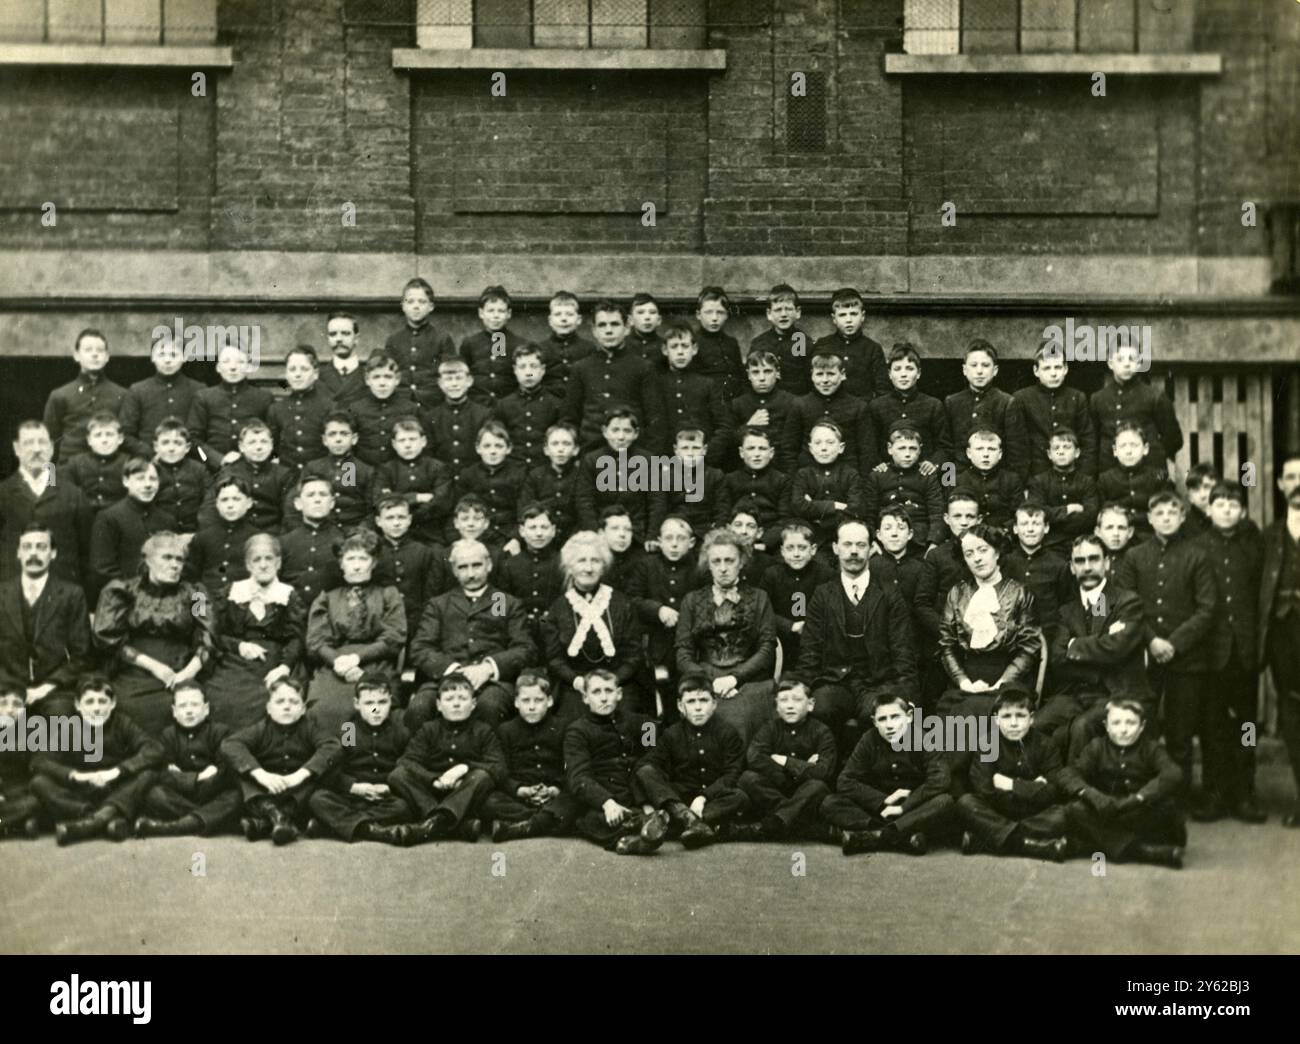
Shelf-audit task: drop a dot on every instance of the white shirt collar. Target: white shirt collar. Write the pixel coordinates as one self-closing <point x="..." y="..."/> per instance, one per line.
<point x="1091" y="598"/>
<point x="32" y="589"/>
<point x="855" y="587"/>
<point x="1293" y="522"/>
<point x="347" y="366"/>
<point x="40" y="483"/>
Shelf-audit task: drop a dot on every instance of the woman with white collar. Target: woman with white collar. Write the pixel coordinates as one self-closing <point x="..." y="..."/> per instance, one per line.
<point x="261" y="626"/>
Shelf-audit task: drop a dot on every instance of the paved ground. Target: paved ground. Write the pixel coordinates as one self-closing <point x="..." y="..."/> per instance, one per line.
<point x="1240" y="892"/>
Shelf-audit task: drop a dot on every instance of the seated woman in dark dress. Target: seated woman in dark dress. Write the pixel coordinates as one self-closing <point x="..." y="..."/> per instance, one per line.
<point x="592" y="626"/>
<point x="987" y="638"/>
<point x="261" y="629"/>
<point x="158" y="629"/>
<point x="727" y="632"/>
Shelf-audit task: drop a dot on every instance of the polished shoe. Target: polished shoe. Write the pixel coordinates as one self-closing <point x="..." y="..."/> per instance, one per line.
<point x="145" y="826"/>
<point x="395" y="834"/>
<point x="317" y="829"/>
<point x="655" y="827"/>
<point x="1158" y="855"/>
<point x="469" y="830"/>
<point x="255" y="828"/>
<point x="1053" y="850"/>
<point x="71" y="830"/>
<point x="118" y="829"/>
<point x="916" y="844"/>
<point x="745" y="832"/>
<point x="1207" y="810"/>
<point x="503" y="831"/>
<point x="859" y="841"/>
<point x="437" y="826"/>
<point x="968" y="846"/>
<point x="283" y="831"/>
<point x="1247" y="810"/>
<point x="697" y="833"/>
<point x="635" y="844"/>
<point x="32" y="828"/>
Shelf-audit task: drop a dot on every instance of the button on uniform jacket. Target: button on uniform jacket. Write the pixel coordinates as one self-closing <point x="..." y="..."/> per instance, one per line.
<point x="798" y="743"/>
<point x="192" y="751"/>
<point x="309" y="564"/>
<point x="705" y="759"/>
<point x="845" y="409"/>
<point x="99" y="478"/>
<point x="1045" y="575"/>
<point x="149" y="402"/>
<point x="533" y="753"/>
<point x="998" y="490"/>
<point x="555" y="489"/>
<point x="527" y="415"/>
<point x="1175" y="581"/>
<point x="375" y="418"/>
<point x="491" y="361"/>
<point x="181" y="489"/>
<point x="921" y="496"/>
<point x="793" y="351"/>
<point x="608" y="379"/>
<point x="455" y="630"/>
<point x="297" y="422"/>
<point x="1024" y="761"/>
<point x="1237" y="560"/>
<point x="914" y="579"/>
<point x="217" y="413"/>
<point x="866" y="373"/>
<point x="417" y="351"/>
<point x="1144" y="768"/>
<point x="600" y="754"/>
<point x="559" y="353"/>
<point x="885" y="652"/>
<point x="1056" y="490"/>
<point x="123" y="745"/>
<point x="923" y="413"/>
<point x="1048" y="409"/>
<point x="1143" y="403"/>
<point x="371" y="753"/>
<point x="70" y="407"/>
<point x="282" y="749"/>
<point x="875" y="770"/>
<point x="992" y="409"/>
<point x="441" y="744"/>
<point x="1086" y="657"/>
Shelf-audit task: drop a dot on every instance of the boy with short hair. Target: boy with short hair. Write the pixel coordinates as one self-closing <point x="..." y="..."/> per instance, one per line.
<point x="531" y="408"/>
<point x="471" y="520"/>
<point x="375" y="412"/>
<point x="691" y="494"/>
<point x="719" y="358"/>
<point x="308" y="561"/>
<point x="280" y="762"/>
<point x="644" y="318"/>
<point x="419" y="478"/>
<point x="1200" y="482"/>
<point x="563" y="347"/>
<point x="829" y="490"/>
<point x="766" y="405"/>
<point x="983" y="407"/>
<point x="166" y="393"/>
<point x="601" y="751"/>
<point x="453" y="423"/>
<point x="1126" y="397"/>
<point x="889" y="794"/>
<point x="18" y="805"/>
<point x="416" y="569"/>
<point x="1126" y="789"/>
<point x="420" y="346"/>
<point x="901" y="405"/>
<point x="657" y="583"/>
<point x="594" y="491"/>
<point x="269" y="482"/>
<point x="490" y="351"/>
<point x="343" y="380"/>
<point x="1014" y="804"/>
<point x="92" y="789"/>
<point x="990" y="482"/>
<point x="70" y="406"/>
<point x="218" y="413"/>
<point x="182" y="480"/>
<point x="193" y="792"/>
<point x="352" y="480"/>
<point x="862" y="359"/>
<point x="451" y="765"/>
<point x="297" y="419"/>
<point x="1066" y="489"/>
<point x="495" y="479"/>
<point x="1048" y="406"/>
<point x="902" y="567"/>
<point x="554" y="483"/>
<point x="1115" y="529"/>
<point x="829" y="400"/>
<point x="532" y="800"/>
<point x="742" y="521"/>
<point x="756" y="486"/>
<point x="789" y="766"/>
<point x="689" y="396"/>
<point x="789" y="345"/>
<point x="1041" y="570"/>
<point x="355" y="801"/>
<point x="960" y="513"/>
<point x="216" y="554"/>
<point x="611" y="376"/>
<point x="618" y="531"/>
<point x="120" y="531"/>
<point x="1133" y="481"/>
<point x="534" y="575"/>
<point x="693" y="772"/>
<point x="98" y="471"/>
<point x="790" y="584"/>
<point x="902" y="483"/>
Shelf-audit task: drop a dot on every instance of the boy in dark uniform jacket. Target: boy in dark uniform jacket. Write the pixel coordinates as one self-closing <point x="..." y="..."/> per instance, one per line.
<point x="530" y="409"/>
<point x="308" y="562"/>
<point x="757" y="486"/>
<point x="355" y="801"/>
<point x="1041" y="571"/>
<point x="18" y="805"/>
<point x="889" y="795"/>
<point x="218" y="414"/>
<point x="384" y="403"/>
<point x="828" y="491"/>
<point x="593" y="493"/>
<point x="1132" y="481"/>
<point x="419" y="479"/>
<point x="297" y="420"/>
<point x="532" y="801"/>
<point x="791" y="582"/>
<point x="453" y="424"/>
<point x="490" y="352"/>
<point x="352" y="480"/>
<point x="280" y="762"/>
<point x="534" y="575"/>
<point x="417" y="570"/>
<point x="91" y="798"/>
<point x="788" y="345"/>
<point x="719" y="359"/>
<point x="343" y="377"/>
<point x="765" y="405"/>
<point x="193" y="792"/>
<point x="657" y="583"/>
<point x="1126" y="397"/>
<point x="1048" y="406"/>
<point x="827" y="401"/>
<point x="902" y="568"/>
<point x="901" y="405"/>
<point x="901" y="483"/>
<point x="960" y="513"/>
<point x="1066" y="490"/>
<point x="989" y="481"/>
<point x="120" y="531"/>
<point x="789" y="765"/>
<point x="555" y="482"/>
<point x="495" y="479"/>
<point x="601" y="752"/>
<point x="614" y="375"/>
<point x="419" y="345"/>
<point x="644" y="319"/>
<point x="216" y="554"/>
<point x="693" y="771"/>
<point x="1126" y="789"/>
<point x="982" y="407"/>
<point x="182" y="480"/>
<point x="1199" y="484"/>
<point x="689" y="398"/>
<point x="1235" y="551"/>
<point x="269" y="483"/>
<point x="563" y="347"/>
<point x="450" y="767"/>
<point x="690" y="489"/>
<point x="865" y="371"/>
<point x="71" y="405"/>
<point x="98" y="471"/>
<point x="1014" y="805"/>
<point x="147" y="403"/>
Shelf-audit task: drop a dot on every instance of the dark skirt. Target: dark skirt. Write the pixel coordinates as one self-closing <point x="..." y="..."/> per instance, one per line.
<point x="236" y="688"/>
<point x="142" y="696"/>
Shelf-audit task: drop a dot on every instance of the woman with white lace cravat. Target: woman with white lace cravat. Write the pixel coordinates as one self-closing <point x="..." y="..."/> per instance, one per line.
<point x="592" y="627"/>
<point x="727" y="632"/>
<point x="987" y="638"/>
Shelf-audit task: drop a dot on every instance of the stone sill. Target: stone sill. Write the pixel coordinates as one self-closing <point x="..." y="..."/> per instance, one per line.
<point x="124" y="55"/>
<point x="620" y="59"/>
<point x="1056" y="64"/>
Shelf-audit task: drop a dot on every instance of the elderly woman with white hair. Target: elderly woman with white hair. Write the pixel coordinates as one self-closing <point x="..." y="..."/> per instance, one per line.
<point x="592" y="627"/>
<point x="159" y="629"/>
<point x="727" y="632"/>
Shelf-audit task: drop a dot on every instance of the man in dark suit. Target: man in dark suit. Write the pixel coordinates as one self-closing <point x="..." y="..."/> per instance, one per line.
<point x="35" y="494"/>
<point x="1279" y="617"/>
<point x="44" y="627"/>
<point x="858" y="638"/>
<point x="476" y="630"/>
<point x="1096" y="652"/>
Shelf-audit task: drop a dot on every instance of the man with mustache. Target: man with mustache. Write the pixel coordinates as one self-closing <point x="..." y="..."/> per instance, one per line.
<point x="44" y="627"/>
<point x="37" y="493"/>
<point x="857" y="642"/>
<point x="1279" y="617"/>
